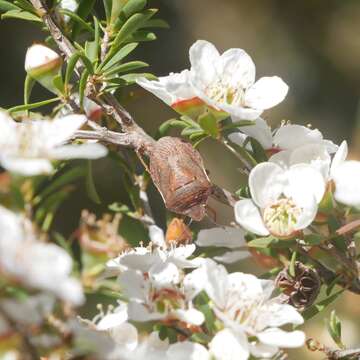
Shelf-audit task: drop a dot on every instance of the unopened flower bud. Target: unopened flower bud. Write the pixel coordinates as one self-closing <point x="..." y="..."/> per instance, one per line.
<point x="177" y="232"/>
<point x="302" y="289"/>
<point x="43" y="64"/>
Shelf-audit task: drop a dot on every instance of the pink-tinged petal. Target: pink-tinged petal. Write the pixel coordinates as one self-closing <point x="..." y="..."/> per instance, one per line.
<point x="291" y="136"/>
<point x="237" y="68"/>
<point x="247" y="214"/>
<point x="275" y="315"/>
<point x="266" y="93"/>
<point x="266" y="183"/>
<point x="191" y="316"/>
<point x="347" y="183"/>
<point x="229" y="346"/>
<point x="339" y="157"/>
<point x="203" y="59"/>
<point x="281" y="338"/>
<point x="187" y="350"/>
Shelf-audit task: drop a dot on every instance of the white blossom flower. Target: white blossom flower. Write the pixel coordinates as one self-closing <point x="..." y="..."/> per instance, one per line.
<point x="250" y="316"/>
<point x="159" y="294"/>
<point x="283" y="201"/>
<point x="27" y="148"/>
<point x="286" y="137"/>
<point x="35" y="264"/>
<point x="225" y="83"/>
<point x="227" y="237"/>
<point x="158" y="252"/>
<point x="346" y="176"/>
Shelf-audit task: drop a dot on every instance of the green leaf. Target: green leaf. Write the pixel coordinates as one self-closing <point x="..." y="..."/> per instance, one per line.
<point x="131" y="78"/>
<point x="131" y="25"/>
<point x="90" y="185"/>
<point x="258" y="150"/>
<point x="156" y="23"/>
<point x="59" y="84"/>
<point x="313" y="239"/>
<point x="22" y="15"/>
<point x="292" y="264"/>
<point x="334" y="328"/>
<point x="82" y="86"/>
<point x="7" y="6"/>
<point x="78" y="19"/>
<point x="263" y="242"/>
<point x="133" y="6"/>
<point x="28" y="86"/>
<point x="116" y="8"/>
<point x="107" y="8"/>
<point x="142" y="35"/>
<point x="85" y="8"/>
<point x="116" y="58"/>
<point x="238" y="124"/>
<point x="33" y="105"/>
<point x="320" y="306"/>
<point x="59" y="182"/>
<point x="71" y="67"/>
<point x="87" y="63"/>
<point x="201" y="338"/>
<point x="91" y="51"/>
<point x="209" y="124"/>
<point x="25" y="5"/>
<point x="167" y="125"/>
<point x="129" y="66"/>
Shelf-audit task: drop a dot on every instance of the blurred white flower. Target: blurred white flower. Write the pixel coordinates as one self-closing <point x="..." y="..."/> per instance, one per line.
<point x="35" y="264"/>
<point x="227" y="237"/>
<point x="225" y="83"/>
<point x="250" y="316"/>
<point x="286" y="137"/>
<point x="27" y="148"/>
<point x="283" y="201"/>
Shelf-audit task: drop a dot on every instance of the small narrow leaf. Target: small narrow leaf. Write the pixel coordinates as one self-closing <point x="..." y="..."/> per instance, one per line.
<point x="7" y="6"/>
<point x="33" y="105"/>
<point x="82" y="86"/>
<point x="292" y="264"/>
<point x="133" y="6"/>
<point x="22" y="15"/>
<point x="121" y="54"/>
<point x="28" y="86"/>
<point x="208" y="123"/>
<point x="90" y="185"/>
<point x="130" y="66"/>
<point x="78" y="19"/>
<point x="263" y="242"/>
<point x="71" y="67"/>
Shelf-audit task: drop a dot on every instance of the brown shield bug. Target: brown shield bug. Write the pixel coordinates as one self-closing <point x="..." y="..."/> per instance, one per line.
<point x="178" y="172"/>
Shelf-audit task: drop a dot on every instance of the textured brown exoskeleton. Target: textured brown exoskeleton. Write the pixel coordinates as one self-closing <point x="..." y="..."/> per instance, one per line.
<point x="178" y="172"/>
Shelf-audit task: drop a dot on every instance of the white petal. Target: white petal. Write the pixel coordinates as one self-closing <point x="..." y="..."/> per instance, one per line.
<point x="187" y="350"/>
<point x="170" y="89"/>
<point x="125" y="335"/>
<point x="8" y="133"/>
<point x="347" y="183"/>
<point x="111" y="320"/>
<point x="339" y="157"/>
<point x="38" y="55"/>
<point x="203" y="59"/>
<point x="236" y="111"/>
<point x="222" y="237"/>
<point x="266" y="183"/>
<point x="133" y="285"/>
<point x="263" y="351"/>
<point x="266" y="93"/>
<point x="156" y="235"/>
<point x="26" y="166"/>
<point x="164" y="274"/>
<point x="194" y="283"/>
<point x="231" y="257"/>
<point x="316" y="155"/>
<point x="237" y="68"/>
<point x="292" y="136"/>
<point x="84" y="151"/>
<point x="247" y="214"/>
<point x="305" y="183"/>
<point x="280" y="338"/>
<point x="191" y="316"/>
<point x="227" y="346"/>
<point x="260" y="131"/>
<point x="61" y="129"/>
<point x="282" y="158"/>
<point x="274" y="315"/>
<point x="141" y="313"/>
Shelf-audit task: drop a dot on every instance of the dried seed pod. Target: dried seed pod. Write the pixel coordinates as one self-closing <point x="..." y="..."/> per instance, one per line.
<point x="178" y="172"/>
<point x="177" y="232"/>
<point x="302" y="289"/>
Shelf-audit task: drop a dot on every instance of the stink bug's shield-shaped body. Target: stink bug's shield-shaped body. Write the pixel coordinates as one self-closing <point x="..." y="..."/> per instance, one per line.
<point x="178" y="173"/>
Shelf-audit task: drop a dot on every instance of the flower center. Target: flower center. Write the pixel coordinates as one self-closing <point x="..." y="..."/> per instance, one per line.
<point x="222" y="92"/>
<point x="281" y="217"/>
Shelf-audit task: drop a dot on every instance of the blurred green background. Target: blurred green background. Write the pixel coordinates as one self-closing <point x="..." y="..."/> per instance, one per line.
<point x="314" y="45"/>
